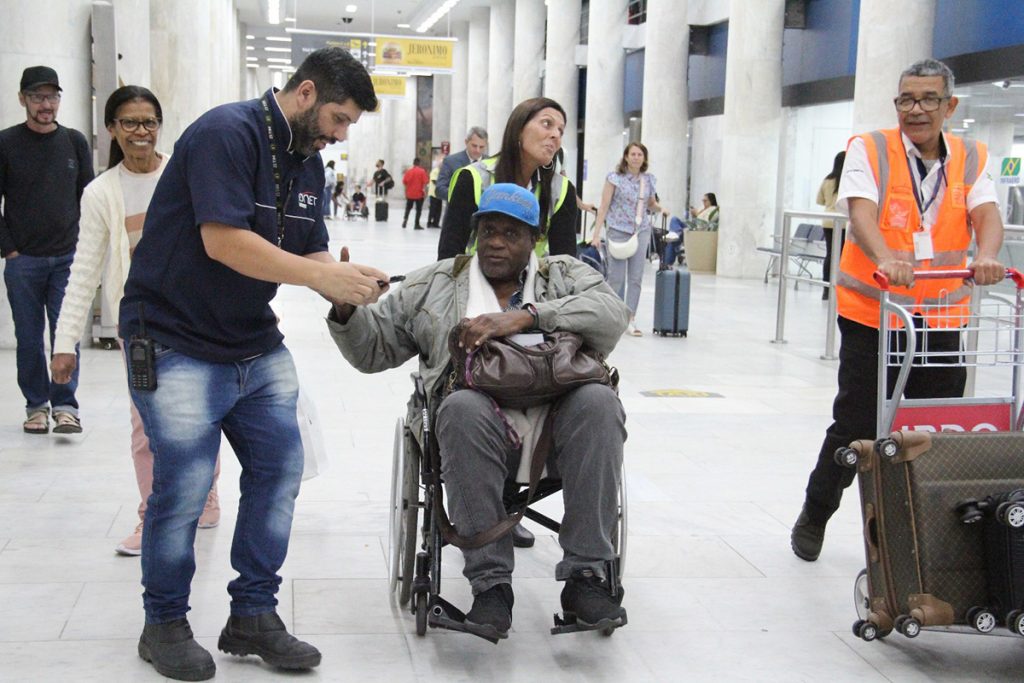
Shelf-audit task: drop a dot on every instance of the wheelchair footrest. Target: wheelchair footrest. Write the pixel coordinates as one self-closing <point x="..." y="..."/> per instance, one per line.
<point x="570" y="624"/>
<point x="444" y="614"/>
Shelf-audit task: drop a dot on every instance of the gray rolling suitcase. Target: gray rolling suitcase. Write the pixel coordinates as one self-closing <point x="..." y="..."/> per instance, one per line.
<point x="672" y="302"/>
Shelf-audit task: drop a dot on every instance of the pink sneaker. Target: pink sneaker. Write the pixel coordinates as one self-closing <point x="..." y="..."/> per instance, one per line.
<point x="211" y="512"/>
<point x="131" y="546"/>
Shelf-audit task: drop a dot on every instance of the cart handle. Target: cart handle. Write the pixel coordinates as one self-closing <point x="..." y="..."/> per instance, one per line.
<point x="965" y="273"/>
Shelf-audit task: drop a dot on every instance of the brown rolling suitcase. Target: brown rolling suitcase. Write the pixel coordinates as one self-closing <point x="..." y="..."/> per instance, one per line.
<point x="924" y="566"/>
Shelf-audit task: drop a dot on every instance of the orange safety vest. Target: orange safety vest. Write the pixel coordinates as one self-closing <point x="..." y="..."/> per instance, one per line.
<point x="942" y="303"/>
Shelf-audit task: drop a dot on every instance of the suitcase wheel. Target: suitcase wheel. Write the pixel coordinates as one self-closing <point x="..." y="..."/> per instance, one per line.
<point x="887" y="448"/>
<point x="908" y="626"/>
<point x="1011" y="514"/>
<point x="865" y="630"/>
<point x="845" y="457"/>
<point x="1015" y="622"/>
<point x="969" y="511"/>
<point x="981" y="619"/>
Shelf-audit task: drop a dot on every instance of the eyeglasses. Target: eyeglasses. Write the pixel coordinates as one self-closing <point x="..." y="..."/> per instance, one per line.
<point x="39" y="98"/>
<point x="129" y="125"/>
<point x="507" y="233"/>
<point x="906" y="103"/>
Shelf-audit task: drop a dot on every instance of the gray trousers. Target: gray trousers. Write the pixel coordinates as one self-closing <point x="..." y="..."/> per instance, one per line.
<point x="477" y="458"/>
<point x="632" y="268"/>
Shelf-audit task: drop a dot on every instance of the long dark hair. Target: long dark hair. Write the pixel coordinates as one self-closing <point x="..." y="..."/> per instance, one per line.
<point x="124" y="94"/>
<point x="837" y="167"/>
<point x="510" y="155"/>
<point x="712" y="199"/>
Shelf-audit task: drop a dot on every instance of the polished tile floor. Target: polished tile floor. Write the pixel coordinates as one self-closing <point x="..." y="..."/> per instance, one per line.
<point x="712" y="589"/>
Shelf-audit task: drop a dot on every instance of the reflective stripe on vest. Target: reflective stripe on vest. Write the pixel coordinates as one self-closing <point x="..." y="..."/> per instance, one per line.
<point x="899" y="218"/>
<point x="482" y="173"/>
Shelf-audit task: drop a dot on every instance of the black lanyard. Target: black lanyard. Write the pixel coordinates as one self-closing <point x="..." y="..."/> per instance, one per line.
<point x="923" y="171"/>
<point x="279" y="201"/>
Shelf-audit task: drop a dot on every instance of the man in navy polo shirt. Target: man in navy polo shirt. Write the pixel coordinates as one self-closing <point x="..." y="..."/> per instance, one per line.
<point x="236" y="213"/>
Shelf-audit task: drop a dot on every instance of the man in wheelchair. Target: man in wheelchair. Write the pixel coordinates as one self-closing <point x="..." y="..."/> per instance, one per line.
<point x="503" y="290"/>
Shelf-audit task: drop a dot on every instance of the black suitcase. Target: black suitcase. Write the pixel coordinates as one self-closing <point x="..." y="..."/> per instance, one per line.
<point x="672" y="301"/>
<point x="1002" y="527"/>
<point x="925" y="567"/>
<point x="380" y="210"/>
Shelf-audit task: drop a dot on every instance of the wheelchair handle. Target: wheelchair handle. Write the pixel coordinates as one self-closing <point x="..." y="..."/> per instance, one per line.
<point x="963" y="273"/>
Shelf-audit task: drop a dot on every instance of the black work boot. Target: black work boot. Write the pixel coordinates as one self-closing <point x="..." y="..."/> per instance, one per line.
<point x="807" y="537"/>
<point x="174" y="653"/>
<point x="588" y="599"/>
<point x="493" y="608"/>
<point x="264" y="635"/>
<point x="522" y="537"/>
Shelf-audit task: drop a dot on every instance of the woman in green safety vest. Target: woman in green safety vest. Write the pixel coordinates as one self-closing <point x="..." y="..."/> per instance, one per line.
<point x="533" y="135"/>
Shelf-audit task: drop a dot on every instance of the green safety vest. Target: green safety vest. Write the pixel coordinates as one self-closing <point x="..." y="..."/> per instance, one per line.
<point x="482" y="173"/>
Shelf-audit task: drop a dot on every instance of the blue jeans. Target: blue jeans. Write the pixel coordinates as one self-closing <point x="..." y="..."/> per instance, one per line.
<point x="253" y="402"/>
<point x="35" y="290"/>
<point x="672" y="248"/>
<point x="326" y="201"/>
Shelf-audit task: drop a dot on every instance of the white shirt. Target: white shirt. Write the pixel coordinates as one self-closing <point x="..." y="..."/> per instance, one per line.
<point x="858" y="180"/>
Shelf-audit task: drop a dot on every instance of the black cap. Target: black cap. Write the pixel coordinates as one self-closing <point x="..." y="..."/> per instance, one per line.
<point x="35" y="76"/>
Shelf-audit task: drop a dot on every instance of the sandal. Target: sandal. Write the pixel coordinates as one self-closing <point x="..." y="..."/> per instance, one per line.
<point x="66" y="423"/>
<point x="37" y="423"/>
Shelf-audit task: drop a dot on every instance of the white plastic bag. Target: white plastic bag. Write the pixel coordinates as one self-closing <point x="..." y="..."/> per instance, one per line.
<point x="315" y="459"/>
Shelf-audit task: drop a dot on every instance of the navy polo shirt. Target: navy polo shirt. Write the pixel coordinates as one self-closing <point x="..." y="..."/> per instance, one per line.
<point x="221" y="172"/>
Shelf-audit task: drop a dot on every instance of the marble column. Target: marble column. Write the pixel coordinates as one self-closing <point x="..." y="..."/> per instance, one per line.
<point x="132" y="43"/>
<point x="887" y="43"/>
<point x="529" y="49"/>
<point x="750" y="143"/>
<point x="442" y="116"/>
<point x="403" y="134"/>
<point x="501" y="50"/>
<point x="54" y="34"/>
<point x="476" y="71"/>
<point x="604" y="116"/>
<point x="561" y="75"/>
<point x="998" y="136"/>
<point x="460" y="79"/>
<point x="665" y="106"/>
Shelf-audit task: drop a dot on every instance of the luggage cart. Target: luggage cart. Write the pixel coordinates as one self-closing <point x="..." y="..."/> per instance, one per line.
<point x="992" y="338"/>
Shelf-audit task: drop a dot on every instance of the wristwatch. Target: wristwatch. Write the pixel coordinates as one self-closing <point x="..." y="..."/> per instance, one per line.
<point x="532" y="310"/>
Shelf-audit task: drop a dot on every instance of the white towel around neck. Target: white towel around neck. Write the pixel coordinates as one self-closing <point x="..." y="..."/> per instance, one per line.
<point x="481" y="300"/>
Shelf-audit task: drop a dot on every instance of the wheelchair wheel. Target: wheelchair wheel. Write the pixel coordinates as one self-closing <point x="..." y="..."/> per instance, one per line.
<point x="395" y="506"/>
<point x="621" y="524"/>
<point x="861" y="601"/>
<point x="410" y="523"/>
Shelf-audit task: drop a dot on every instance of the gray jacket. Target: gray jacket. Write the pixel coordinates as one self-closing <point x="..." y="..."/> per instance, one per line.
<point x="417" y="317"/>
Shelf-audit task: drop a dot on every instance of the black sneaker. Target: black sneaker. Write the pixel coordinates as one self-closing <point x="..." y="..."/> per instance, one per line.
<point x="174" y="653"/>
<point x="264" y="635"/>
<point x="588" y="600"/>
<point x="522" y="537"/>
<point x="492" y="611"/>
<point x="806" y="538"/>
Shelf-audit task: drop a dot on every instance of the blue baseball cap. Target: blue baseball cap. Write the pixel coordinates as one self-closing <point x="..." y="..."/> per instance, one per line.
<point x="513" y="201"/>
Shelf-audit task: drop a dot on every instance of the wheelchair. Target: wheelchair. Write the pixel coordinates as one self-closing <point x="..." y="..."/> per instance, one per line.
<point x="415" y="541"/>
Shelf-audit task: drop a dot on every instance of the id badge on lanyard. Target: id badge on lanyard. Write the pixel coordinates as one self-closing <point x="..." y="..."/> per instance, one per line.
<point x="924" y="249"/>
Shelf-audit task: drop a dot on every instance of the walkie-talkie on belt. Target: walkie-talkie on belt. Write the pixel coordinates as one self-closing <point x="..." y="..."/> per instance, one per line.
<point x="141" y="359"/>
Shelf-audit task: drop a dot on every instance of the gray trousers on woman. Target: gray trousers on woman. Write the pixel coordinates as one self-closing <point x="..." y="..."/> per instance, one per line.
<point x="617" y="269"/>
<point x="477" y="458"/>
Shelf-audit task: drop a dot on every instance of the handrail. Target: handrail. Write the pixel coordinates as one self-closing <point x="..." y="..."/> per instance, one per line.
<point x="839" y="224"/>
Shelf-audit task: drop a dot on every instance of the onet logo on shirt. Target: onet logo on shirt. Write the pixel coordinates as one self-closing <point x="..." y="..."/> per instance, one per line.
<point x="307" y="200"/>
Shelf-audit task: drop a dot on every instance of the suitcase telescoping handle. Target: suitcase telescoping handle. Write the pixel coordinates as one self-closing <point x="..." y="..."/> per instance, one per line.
<point x="965" y="273"/>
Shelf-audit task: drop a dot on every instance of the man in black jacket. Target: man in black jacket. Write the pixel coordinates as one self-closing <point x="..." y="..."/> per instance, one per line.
<point x="44" y="167"/>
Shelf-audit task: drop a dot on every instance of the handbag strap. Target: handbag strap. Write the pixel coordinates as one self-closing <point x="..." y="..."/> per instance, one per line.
<point x="541" y="452"/>
<point x="640" y="202"/>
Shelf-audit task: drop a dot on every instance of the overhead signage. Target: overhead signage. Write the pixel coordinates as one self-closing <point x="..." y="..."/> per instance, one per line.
<point x="1009" y="171"/>
<point x="388" y="86"/>
<point x="383" y="52"/>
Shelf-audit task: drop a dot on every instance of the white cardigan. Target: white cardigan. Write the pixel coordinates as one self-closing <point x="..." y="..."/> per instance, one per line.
<point x="101" y="238"/>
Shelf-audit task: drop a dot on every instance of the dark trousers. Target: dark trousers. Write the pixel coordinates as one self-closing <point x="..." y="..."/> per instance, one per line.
<point x="408" y="205"/>
<point x="434" y="213"/>
<point x="826" y="265"/>
<point x="855" y="408"/>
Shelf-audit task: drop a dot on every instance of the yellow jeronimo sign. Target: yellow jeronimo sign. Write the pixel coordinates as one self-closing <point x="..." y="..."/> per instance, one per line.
<point x="388" y="86"/>
<point x="412" y="52"/>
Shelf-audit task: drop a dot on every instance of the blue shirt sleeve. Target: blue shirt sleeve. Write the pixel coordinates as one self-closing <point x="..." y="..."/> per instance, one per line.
<point x="221" y="175"/>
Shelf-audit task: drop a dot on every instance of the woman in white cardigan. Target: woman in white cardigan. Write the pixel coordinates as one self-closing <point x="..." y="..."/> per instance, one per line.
<point x="113" y="211"/>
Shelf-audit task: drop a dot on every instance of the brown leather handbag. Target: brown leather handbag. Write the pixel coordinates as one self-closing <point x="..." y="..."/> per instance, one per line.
<point x="518" y="376"/>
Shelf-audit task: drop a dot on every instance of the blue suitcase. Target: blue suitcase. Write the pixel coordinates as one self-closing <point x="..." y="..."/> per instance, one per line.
<point x="672" y="301"/>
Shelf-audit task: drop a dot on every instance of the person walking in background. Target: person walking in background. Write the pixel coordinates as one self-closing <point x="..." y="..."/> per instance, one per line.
<point x="44" y="168"/>
<point x="113" y="211"/>
<point x="415" y="181"/>
<point x="628" y="195"/>
<point x="827" y="195"/>
<point x="532" y="137"/>
<point x="915" y="196"/>
<point x="435" y="204"/>
<point x="330" y="180"/>
<point x="476" y="148"/>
